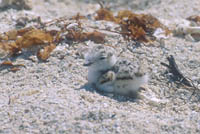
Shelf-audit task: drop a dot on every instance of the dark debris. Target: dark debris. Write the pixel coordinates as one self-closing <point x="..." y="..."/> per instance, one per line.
<point x="177" y="75"/>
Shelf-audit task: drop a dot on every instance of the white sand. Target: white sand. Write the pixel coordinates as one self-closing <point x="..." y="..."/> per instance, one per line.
<point x="46" y="97"/>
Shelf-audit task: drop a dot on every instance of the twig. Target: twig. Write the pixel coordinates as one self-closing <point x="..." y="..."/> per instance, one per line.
<point x="177" y="75"/>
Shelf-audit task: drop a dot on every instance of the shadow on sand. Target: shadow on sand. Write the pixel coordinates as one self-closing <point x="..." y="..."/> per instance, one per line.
<point x="119" y="98"/>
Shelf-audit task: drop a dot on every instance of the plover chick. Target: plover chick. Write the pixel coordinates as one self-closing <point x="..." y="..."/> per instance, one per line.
<point x="99" y="60"/>
<point x="124" y="78"/>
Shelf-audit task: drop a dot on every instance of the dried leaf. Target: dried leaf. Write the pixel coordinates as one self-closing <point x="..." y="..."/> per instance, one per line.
<point x="124" y="14"/>
<point x="3" y="37"/>
<point x="14" y="48"/>
<point x="105" y="14"/>
<point x="21" y="32"/>
<point x="34" y="37"/>
<point x="10" y="47"/>
<point x="97" y="37"/>
<point x="147" y="22"/>
<point x="138" y="34"/>
<point x="76" y="36"/>
<point x="194" y="18"/>
<point x="45" y="53"/>
<point x="53" y="32"/>
<point x="134" y="26"/>
<point x="6" y="63"/>
<point x="57" y="38"/>
<point x="12" y="35"/>
<point x="12" y="67"/>
<point x="78" y="17"/>
<point x="3" y="46"/>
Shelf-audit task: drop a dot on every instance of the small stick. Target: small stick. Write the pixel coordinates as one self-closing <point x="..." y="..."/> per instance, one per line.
<point x="177" y="75"/>
<point x="173" y="68"/>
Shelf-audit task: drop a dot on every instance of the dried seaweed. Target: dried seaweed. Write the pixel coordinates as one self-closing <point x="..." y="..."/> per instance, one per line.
<point x="79" y="36"/>
<point x="78" y="17"/>
<point x="24" y="38"/>
<point x="10" y="66"/>
<point x="138" y="27"/>
<point x="45" y="53"/>
<point x="14" y="41"/>
<point x="34" y="37"/>
<point x="105" y="14"/>
<point x="194" y="18"/>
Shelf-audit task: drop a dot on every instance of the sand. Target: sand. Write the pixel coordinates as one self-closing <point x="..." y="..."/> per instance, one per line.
<point x="53" y="96"/>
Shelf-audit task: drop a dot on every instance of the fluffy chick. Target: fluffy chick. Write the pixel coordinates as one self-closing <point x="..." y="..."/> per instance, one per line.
<point x="99" y="60"/>
<point x="124" y="78"/>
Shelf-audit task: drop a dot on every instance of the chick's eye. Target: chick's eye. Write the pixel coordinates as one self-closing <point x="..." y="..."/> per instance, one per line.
<point x="102" y="58"/>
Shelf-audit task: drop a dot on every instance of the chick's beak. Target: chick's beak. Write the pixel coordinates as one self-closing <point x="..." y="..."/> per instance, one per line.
<point x="87" y="63"/>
